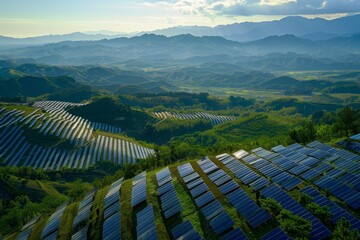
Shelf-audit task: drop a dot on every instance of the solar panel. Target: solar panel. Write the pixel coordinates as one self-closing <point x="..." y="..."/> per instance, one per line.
<point x="204" y="199"/>
<point x="138" y="194"/>
<point x="111" y="228"/>
<point x="236" y="234"/>
<point x="195" y="183"/>
<point x="53" y="222"/>
<point x="337" y="211"/>
<point x="240" y="154"/>
<point x="165" y="188"/>
<point x="212" y="209"/>
<point x="146" y="224"/>
<point x="81" y="234"/>
<point x="246" y="207"/>
<point x="259" y="183"/>
<point x="185" y="231"/>
<point x="277" y="234"/>
<point x="200" y="189"/>
<point x="221" y="223"/>
<point x="228" y="187"/>
<point x="191" y="177"/>
<point x="340" y="190"/>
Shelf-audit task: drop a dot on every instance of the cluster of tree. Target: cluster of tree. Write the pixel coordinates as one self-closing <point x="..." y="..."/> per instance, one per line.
<point x="325" y="126"/>
<point x="108" y="109"/>
<point x="293" y="225"/>
<point x="183" y="100"/>
<point x="13" y="99"/>
<point x="15" y="213"/>
<point x="321" y="213"/>
<point x="162" y="132"/>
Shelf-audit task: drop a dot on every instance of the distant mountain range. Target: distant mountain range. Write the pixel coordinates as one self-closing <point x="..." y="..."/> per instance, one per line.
<point x="312" y="29"/>
<point x="150" y="50"/>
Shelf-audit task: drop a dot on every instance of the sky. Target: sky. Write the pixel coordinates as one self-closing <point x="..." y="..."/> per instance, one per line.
<point x="24" y="18"/>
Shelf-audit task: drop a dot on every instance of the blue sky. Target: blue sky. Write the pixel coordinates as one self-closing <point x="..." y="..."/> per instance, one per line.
<point x="21" y="18"/>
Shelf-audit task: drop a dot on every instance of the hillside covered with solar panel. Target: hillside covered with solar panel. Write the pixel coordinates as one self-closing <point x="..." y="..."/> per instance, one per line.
<point x="110" y="168"/>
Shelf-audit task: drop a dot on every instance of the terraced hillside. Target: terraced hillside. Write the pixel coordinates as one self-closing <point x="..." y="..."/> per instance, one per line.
<point x="46" y="136"/>
<point x="218" y="198"/>
<point x="215" y="119"/>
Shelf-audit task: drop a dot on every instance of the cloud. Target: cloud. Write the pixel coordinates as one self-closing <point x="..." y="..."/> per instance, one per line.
<point x="230" y="8"/>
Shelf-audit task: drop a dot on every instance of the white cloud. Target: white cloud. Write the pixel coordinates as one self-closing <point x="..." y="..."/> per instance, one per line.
<point x="214" y="8"/>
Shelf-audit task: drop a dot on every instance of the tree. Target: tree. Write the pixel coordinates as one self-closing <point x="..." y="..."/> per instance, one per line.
<point x="321" y="213"/>
<point x="304" y="199"/>
<point x="271" y="206"/>
<point x="342" y="231"/>
<point x="346" y="121"/>
<point x="293" y="225"/>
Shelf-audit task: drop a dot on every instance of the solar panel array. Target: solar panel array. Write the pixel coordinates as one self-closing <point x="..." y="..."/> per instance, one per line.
<point x="111" y="225"/>
<point x="138" y="193"/>
<point x="204" y="199"/>
<point x="185" y="231"/>
<point x="245" y="206"/>
<point x="80" y="223"/>
<point x="16" y="150"/>
<point x="170" y="203"/>
<point x="319" y="230"/>
<point x="145" y="228"/>
<point x="277" y="234"/>
<point x="27" y="228"/>
<point x="215" y="119"/>
<point x="337" y="211"/>
<point x="51" y="229"/>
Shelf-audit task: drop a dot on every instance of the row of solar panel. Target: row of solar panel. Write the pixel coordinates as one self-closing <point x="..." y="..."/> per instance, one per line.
<point x="145" y="228"/>
<point x="138" y="193"/>
<point x="211" y="208"/>
<point x="27" y="228"/>
<point x="337" y="211"/>
<point x="246" y="207"/>
<point x="80" y="224"/>
<point x="346" y="187"/>
<point x="51" y="229"/>
<point x="170" y="203"/>
<point x="111" y="225"/>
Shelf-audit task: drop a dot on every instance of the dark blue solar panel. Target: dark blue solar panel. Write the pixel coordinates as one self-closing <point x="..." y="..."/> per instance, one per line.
<point x="222" y="180"/>
<point x="111" y="227"/>
<point x="200" y="189"/>
<point x="212" y="209"/>
<point x="216" y="175"/>
<point x="185" y="231"/>
<point x="236" y="234"/>
<point x="146" y="224"/>
<point x="191" y="177"/>
<point x="138" y="194"/>
<point x="310" y="161"/>
<point x="204" y="199"/>
<point x="291" y="183"/>
<point x="221" y="223"/>
<point x="310" y="174"/>
<point x="282" y="177"/>
<point x="250" y="177"/>
<point x="340" y="190"/>
<point x="299" y="169"/>
<point x="277" y="234"/>
<point x="195" y="183"/>
<point x="165" y="188"/>
<point x="259" y="163"/>
<point x="270" y="170"/>
<point x="228" y="187"/>
<point x="246" y="207"/>
<point x="260" y="183"/>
